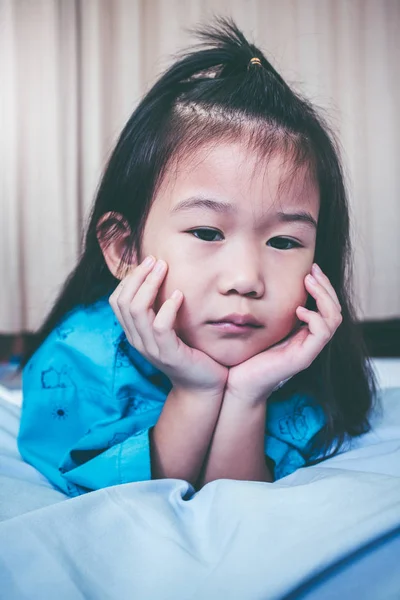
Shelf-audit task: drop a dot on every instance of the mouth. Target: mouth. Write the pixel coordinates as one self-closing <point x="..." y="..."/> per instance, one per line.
<point x="236" y="323"/>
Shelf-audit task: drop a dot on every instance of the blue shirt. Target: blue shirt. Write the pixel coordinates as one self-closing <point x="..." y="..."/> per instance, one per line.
<point x="90" y="400"/>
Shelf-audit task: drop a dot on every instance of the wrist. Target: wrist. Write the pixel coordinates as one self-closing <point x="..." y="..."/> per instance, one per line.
<point x="249" y="398"/>
<point x="202" y="394"/>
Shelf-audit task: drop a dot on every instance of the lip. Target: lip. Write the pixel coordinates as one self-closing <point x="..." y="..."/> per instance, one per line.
<point x="236" y="323"/>
<point x="229" y="327"/>
<point x="238" y="319"/>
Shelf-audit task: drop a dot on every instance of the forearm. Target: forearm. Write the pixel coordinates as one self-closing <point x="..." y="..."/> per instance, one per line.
<point x="237" y="446"/>
<point x="182" y="435"/>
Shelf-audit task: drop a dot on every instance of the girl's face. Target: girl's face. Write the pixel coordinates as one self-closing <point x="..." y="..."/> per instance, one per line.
<point x="238" y="234"/>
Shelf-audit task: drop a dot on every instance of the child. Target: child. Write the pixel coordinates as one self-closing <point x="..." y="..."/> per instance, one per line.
<point x="233" y="355"/>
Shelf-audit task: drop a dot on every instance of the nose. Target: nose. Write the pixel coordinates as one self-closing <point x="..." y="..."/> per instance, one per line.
<point x="242" y="274"/>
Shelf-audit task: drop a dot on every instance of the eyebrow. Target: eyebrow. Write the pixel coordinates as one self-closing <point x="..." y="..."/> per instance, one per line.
<point x="226" y="208"/>
<point x="208" y="203"/>
<point x="302" y="217"/>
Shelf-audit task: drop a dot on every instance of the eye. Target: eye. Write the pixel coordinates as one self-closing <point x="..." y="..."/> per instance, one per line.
<point x="282" y="243"/>
<point x="207" y="234"/>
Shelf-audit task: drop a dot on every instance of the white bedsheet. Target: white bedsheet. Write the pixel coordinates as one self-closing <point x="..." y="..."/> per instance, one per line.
<point x="160" y="540"/>
<point x="156" y="540"/>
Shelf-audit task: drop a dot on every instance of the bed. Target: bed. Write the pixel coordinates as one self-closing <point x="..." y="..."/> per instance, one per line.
<point x="240" y="540"/>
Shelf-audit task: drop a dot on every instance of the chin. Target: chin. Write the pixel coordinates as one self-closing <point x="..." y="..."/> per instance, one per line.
<point x="230" y="357"/>
<point x="232" y="353"/>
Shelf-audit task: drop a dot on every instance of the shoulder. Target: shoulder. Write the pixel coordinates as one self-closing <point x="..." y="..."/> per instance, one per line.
<point x="82" y="347"/>
<point x="296" y="419"/>
<point x="91" y="329"/>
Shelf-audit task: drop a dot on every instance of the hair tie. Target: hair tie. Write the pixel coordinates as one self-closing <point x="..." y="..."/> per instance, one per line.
<point x="254" y="61"/>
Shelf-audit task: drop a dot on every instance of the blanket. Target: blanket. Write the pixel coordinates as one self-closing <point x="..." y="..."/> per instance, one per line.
<point x="162" y="540"/>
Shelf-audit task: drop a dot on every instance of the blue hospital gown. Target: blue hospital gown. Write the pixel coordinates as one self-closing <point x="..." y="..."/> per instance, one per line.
<point x="90" y="400"/>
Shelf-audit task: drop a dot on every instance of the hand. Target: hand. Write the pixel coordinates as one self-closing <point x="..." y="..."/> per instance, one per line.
<point x="154" y="336"/>
<point x="255" y="379"/>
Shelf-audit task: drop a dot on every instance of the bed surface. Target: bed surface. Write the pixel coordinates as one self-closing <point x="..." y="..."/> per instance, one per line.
<point x="160" y="539"/>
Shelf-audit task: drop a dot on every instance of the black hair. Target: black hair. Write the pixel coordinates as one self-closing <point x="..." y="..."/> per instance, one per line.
<point x="214" y="93"/>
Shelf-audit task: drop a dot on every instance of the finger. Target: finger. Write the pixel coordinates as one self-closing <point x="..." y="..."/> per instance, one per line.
<point x="163" y="326"/>
<point x="129" y="286"/>
<point x="131" y="283"/>
<point x="320" y="334"/>
<point x="121" y="297"/>
<point x="131" y="334"/>
<point x="324" y="281"/>
<point x="147" y="292"/>
<point x="114" y="304"/>
<point x="327" y="307"/>
<point x="140" y="308"/>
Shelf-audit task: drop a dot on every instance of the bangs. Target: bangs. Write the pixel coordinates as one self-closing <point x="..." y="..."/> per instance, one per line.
<point x="193" y="127"/>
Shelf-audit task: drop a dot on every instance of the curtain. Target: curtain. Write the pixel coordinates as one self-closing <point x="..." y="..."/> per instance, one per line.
<point x="72" y="71"/>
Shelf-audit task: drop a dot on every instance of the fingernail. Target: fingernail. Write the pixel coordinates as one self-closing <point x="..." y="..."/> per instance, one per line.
<point x="311" y="280"/>
<point x="150" y="260"/>
<point x="316" y="269"/>
<point x="160" y="264"/>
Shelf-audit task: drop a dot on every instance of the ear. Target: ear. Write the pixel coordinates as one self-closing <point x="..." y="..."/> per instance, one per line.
<point x="113" y="234"/>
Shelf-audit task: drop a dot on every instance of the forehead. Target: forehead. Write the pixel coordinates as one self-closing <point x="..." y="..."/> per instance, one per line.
<point x="231" y="172"/>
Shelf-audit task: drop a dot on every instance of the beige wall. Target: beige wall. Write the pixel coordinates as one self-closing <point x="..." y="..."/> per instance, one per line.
<point x="72" y="71"/>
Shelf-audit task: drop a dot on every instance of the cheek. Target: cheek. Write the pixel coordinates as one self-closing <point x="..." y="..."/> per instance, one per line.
<point x="286" y="304"/>
<point x="300" y="298"/>
<point x="164" y="293"/>
<point x="291" y="294"/>
<point x="179" y="276"/>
